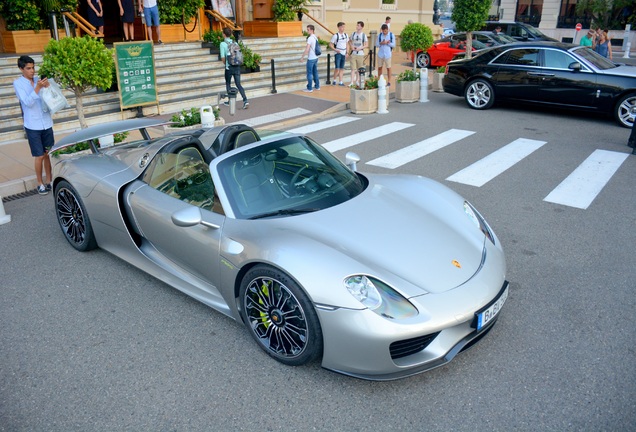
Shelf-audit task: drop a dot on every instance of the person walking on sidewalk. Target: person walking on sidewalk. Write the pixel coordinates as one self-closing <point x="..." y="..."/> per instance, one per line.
<point x="312" y="61"/>
<point x="231" y="71"/>
<point x="340" y="44"/>
<point x="386" y="42"/>
<point x="37" y="120"/>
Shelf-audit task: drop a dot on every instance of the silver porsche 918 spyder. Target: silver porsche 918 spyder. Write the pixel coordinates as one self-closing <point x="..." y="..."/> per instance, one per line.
<point x="377" y="276"/>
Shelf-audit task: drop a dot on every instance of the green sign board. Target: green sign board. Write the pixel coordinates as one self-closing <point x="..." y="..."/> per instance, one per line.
<point x="135" y="64"/>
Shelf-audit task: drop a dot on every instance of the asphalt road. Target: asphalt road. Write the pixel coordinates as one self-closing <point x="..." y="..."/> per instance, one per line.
<point x="88" y="342"/>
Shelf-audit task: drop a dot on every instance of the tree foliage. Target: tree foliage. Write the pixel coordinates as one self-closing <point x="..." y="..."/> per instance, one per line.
<point x="178" y="11"/>
<point x="78" y="64"/>
<point x="468" y="16"/>
<point x="32" y="14"/>
<point x="414" y="37"/>
<point x="608" y="13"/>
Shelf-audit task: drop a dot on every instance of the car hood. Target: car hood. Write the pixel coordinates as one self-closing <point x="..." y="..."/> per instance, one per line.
<point x="401" y="226"/>
<point x="622" y="70"/>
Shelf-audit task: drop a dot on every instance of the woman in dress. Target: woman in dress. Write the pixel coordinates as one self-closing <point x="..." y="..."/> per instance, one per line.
<point x="96" y="15"/>
<point x="127" y="14"/>
<point x="604" y="46"/>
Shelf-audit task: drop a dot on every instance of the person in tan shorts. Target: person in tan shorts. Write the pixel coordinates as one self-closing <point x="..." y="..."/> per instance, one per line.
<point x="357" y="44"/>
<point x="386" y="42"/>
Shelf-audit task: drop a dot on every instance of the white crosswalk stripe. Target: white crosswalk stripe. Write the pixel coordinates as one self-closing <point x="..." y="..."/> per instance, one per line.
<point x="578" y="190"/>
<point x="314" y="127"/>
<point x="486" y="169"/>
<point x="368" y="135"/>
<point x="581" y="187"/>
<point x="420" y="149"/>
<point x="275" y="117"/>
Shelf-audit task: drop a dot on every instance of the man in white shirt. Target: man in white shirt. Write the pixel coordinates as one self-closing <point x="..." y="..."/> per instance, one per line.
<point x="357" y="43"/>
<point x="151" y="14"/>
<point x="38" y="124"/>
<point x="312" y="61"/>
<point x="339" y="43"/>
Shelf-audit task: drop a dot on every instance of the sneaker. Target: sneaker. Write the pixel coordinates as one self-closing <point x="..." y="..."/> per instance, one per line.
<point x="307" y="90"/>
<point x="341" y="83"/>
<point x="316" y="88"/>
<point x="333" y="83"/>
<point x="159" y="42"/>
<point x="42" y="190"/>
<point x="226" y="103"/>
<point x="48" y="187"/>
<point x="246" y="105"/>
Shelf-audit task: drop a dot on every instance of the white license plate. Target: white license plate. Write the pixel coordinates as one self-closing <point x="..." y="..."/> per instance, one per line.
<point x="489" y="314"/>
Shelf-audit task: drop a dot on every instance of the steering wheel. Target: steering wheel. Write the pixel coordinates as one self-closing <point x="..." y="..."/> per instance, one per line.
<point x="295" y="178"/>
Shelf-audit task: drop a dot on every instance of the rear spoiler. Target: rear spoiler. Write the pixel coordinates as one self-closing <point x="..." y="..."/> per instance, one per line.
<point x="110" y="128"/>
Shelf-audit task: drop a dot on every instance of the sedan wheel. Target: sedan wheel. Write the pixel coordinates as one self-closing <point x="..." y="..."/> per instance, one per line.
<point x="626" y="110"/>
<point x="479" y="94"/>
<point x="280" y="316"/>
<point x="423" y="60"/>
<point x="72" y="217"/>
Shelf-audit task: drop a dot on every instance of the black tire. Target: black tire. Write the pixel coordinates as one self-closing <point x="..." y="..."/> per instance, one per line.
<point x="423" y="60"/>
<point x="72" y="217"/>
<point x="280" y="316"/>
<point x="479" y="94"/>
<point x="625" y="111"/>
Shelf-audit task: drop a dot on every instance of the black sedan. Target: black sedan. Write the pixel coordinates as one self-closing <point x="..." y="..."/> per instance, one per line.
<point x="547" y="73"/>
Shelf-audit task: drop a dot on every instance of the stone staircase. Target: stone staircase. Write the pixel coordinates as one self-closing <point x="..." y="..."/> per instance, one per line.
<point x="187" y="76"/>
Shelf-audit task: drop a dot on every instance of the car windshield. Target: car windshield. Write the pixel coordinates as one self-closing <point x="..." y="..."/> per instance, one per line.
<point x="593" y="58"/>
<point x="503" y="39"/>
<point x="286" y="177"/>
<point x="534" y="32"/>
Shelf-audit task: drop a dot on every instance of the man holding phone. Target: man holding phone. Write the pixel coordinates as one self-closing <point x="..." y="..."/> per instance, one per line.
<point x="38" y="124"/>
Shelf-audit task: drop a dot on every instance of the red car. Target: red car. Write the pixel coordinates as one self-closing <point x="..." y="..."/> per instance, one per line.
<point x="444" y="49"/>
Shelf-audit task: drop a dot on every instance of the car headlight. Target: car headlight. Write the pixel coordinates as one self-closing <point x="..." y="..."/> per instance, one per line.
<point x="379" y="297"/>
<point x="478" y="220"/>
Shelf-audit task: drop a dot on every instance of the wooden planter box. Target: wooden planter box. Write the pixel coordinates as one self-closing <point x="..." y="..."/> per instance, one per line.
<point x="363" y="101"/>
<point x="272" y="29"/>
<point x="26" y="41"/>
<point x="437" y="82"/>
<point x="407" y="91"/>
<point x="176" y="33"/>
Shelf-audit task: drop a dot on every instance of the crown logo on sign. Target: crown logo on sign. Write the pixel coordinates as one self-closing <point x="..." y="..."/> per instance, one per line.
<point x="134" y="51"/>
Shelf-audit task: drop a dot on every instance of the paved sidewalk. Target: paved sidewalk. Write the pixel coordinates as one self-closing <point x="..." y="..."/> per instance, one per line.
<point x="277" y="111"/>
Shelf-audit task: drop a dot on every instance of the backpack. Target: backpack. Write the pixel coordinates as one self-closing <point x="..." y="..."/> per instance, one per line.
<point x="338" y="39"/>
<point x="234" y="54"/>
<point x="317" y="49"/>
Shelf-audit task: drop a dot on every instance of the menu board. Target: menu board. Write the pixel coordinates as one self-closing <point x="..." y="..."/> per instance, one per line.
<point x="135" y="63"/>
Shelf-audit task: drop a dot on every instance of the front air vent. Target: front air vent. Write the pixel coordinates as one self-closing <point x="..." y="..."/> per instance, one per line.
<point x="407" y="347"/>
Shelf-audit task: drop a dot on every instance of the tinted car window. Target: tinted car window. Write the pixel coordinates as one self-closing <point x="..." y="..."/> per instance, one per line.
<point x="594" y="58"/>
<point x="557" y="59"/>
<point x="520" y="57"/>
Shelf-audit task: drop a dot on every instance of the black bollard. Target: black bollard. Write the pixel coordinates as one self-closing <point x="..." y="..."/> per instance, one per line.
<point x="328" y="69"/>
<point x="273" y="76"/>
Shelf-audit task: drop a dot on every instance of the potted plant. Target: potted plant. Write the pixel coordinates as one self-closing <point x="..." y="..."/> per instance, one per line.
<point x="407" y="89"/>
<point x="178" y="21"/>
<point x="212" y="39"/>
<point x="364" y="100"/>
<point x="284" y="24"/>
<point x="438" y="77"/>
<point x="251" y="60"/>
<point x="415" y="37"/>
<point x="191" y="119"/>
<point x="60" y="62"/>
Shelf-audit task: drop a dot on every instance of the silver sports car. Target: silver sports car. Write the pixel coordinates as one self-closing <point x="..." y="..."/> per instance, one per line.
<point x="376" y="276"/>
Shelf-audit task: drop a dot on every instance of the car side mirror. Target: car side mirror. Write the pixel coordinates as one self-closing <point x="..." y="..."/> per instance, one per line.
<point x="189" y="217"/>
<point x="351" y="160"/>
<point x="575" y="66"/>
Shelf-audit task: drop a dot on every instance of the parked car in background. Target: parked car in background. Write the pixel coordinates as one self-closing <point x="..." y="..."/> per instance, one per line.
<point x="443" y="50"/>
<point x="547" y="73"/>
<point x="518" y="30"/>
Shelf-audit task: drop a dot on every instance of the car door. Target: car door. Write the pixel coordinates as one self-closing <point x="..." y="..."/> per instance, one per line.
<point x="563" y="84"/>
<point x="517" y="74"/>
<point x="174" y="182"/>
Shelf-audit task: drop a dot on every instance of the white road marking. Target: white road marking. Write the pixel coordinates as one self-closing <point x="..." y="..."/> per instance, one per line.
<point x="581" y="187"/>
<point x="323" y="125"/>
<point x="275" y="117"/>
<point x="486" y="169"/>
<point x="358" y="138"/>
<point x="420" y="149"/>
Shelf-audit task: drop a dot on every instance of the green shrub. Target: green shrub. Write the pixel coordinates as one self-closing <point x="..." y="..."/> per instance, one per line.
<point x="408" y="75"/>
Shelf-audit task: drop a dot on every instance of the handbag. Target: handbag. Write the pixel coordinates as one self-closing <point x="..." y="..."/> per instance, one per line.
<point x="53" y="98"/>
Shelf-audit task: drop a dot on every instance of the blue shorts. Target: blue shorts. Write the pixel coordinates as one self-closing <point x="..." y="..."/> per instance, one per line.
<point x="40" y="141"/>
<point x="152" y="16"/>
<point x="339" y="61"/>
